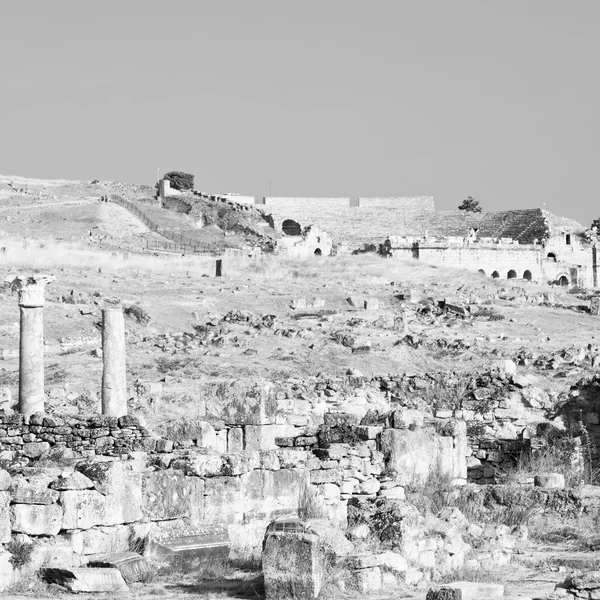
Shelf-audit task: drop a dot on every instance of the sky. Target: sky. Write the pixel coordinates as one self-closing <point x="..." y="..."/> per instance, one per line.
<point x="493" y="99"/>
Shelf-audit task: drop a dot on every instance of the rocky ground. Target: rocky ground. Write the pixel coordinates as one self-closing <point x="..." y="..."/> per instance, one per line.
<point x="272" y="318"/>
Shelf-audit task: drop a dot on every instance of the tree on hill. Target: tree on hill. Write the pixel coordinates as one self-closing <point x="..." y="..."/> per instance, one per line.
<point x="180" y="181"/>
<point x="470" y="205"/>
<point x="595" y="224"/>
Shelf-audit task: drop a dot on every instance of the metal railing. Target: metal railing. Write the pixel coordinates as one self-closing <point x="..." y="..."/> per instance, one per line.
<point x="179" y="242"/>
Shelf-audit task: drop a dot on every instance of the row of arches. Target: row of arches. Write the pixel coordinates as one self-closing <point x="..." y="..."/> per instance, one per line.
<point x="512" y="274"/>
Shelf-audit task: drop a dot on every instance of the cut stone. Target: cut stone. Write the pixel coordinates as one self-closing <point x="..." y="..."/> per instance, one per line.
<point x="131" y="565"/>
<point x="190" y="552"/>
<point x="87" y="580"/>
<point x="37" y="519"/>
<point x="466" y="590"/>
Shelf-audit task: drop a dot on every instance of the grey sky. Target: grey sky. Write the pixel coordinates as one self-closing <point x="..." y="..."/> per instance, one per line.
<point x="498" y="100"/>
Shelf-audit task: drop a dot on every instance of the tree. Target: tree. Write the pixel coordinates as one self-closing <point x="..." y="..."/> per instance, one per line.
<point x="470" y="205"/>
<point x="180" y="181"/>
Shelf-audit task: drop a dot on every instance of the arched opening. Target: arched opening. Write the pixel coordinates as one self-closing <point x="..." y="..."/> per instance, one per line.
<point x="481" y="271"/>
<point x="290" y="227"/>
<point x="511" y="274"/>
<point x="563" y="280"/>
<point x="552" y="256"/>
<point x="527" y="275"/>
<point x="495" y="274"/>
<point x="318" y="252"/>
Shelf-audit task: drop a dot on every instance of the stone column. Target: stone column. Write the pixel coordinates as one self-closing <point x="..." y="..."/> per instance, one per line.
<point x="114" y="386"/>
<point x="31" y="345"/>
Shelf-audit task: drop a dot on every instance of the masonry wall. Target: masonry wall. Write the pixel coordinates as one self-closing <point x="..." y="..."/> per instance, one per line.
<point x="354" y="226"/>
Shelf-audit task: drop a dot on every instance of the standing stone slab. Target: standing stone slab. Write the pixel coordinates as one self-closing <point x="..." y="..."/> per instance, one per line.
<point x="37" y="519"/>
<point x="255" y="405"/>
<point x="223" y="500"/>
<point x="87" y="580"/>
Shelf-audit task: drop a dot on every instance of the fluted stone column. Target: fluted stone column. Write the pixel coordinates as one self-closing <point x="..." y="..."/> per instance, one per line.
<point x="31" y="345"/>
<point x="114" y="386"/>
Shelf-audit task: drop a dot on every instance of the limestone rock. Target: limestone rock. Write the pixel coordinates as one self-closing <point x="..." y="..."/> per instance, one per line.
<point x="23" y="492"/>
<point x="466" y="590"/>
<point x="4" y="518"/>
<point x="555" y="481"/>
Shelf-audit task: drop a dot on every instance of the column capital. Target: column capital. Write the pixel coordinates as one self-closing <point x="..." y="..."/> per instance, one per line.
<point x="30" y="288"/>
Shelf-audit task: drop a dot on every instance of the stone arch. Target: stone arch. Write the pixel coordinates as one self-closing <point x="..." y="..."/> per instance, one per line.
<point x="291" y="227"/>
<point x="495" y="275"/>
<point x="481" y="271"/>
<point x="551" y="255"/>
<point x="527" y="275"/>
<point x="318" y="252"/>
<point x="563" y="280"/>
<point x="512" y="274"/>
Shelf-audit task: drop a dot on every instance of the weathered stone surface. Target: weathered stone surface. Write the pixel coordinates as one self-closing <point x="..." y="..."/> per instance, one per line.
<point x="121" y="483"/>
<point x="367" y="580"/>
<point x="298" y="556"/>
<point x="83" y="509"/>
<point x="35" y="449"/>
<point x="101" y="540"/>
<point x="22" y="492"/>
<point x="5" y="480"/>
<point x="555" y="481"/>
<point x="131" y="565"/>
<point x="203" y="463"/>
<point x="87" y="580"/>
<point x="171" y="495"/>
<point x="189" y="552"/>
<point x="223" y="500"/>
<point x="262" y="437"/>
<point x="271" y="493"/>
<point x="466" y="590"/>
<point x="4" y="518"/>
<point x="255" y="405"/>
<point x="73" y="481"/>
<point x="37" y="519"/>
<point x="7" y="572"/>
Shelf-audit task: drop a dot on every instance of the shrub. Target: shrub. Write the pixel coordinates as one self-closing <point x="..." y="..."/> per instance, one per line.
<point x="20" y="553"/>
<point x="310" y="503"/>
<point x="180" y="181"/>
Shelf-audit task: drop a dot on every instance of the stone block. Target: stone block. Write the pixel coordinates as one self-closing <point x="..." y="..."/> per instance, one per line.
<point x="271" y="493"/>
<point x="23" y="492"/>
<point x="407" y="418"/>
<point x="37" y="519"/>
<point x="223" y="500"/>
<point x="87" y="580"/>
<point x="371" y="304"/>
<point x="4" y="517"/>
<point x="7" y="573"/>
<point x="190" y="552"/>
<point x="5" y="480"/>
<point x="101" y="540"/>
<point x="201" y="463"/>
<point x="554" y="481"/>
<point x="121" y="484"/>
<point x="254" y="405"/>
<point x="235" y="439"/>
<point x="262" y="437"/>
<point x="466" y="590"/>
<point x="595" y="305"/>
<point x="74" y="481"/>
<point x="35" y="449"/>
<point x="83" y="509"/>
<point x="131" y="565"/>
<point x="171" y="495"/>
<point x="367" y="581"/>
<point x="326" y="476"/>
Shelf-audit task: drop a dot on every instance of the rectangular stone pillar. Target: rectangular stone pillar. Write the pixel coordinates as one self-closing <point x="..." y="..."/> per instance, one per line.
<point x="114" y="384"/>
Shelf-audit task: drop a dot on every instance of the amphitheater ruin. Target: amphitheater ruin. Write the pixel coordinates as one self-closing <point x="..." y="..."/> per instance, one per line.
<point x="528" y="244"/>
